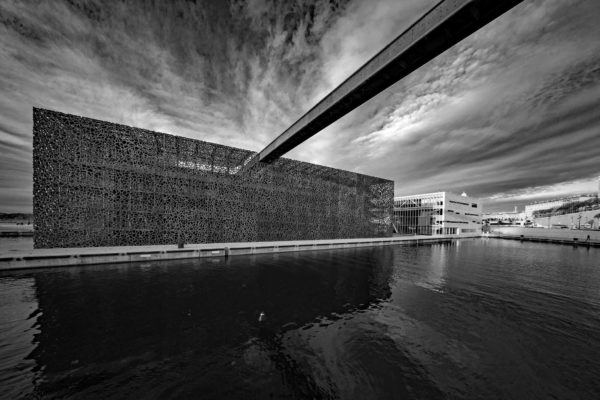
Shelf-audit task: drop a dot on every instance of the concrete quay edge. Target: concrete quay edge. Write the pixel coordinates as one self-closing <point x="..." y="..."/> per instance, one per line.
<point x="541" y="239"/>
<point x="62" y="257"/>
<point x="579" y="237"/>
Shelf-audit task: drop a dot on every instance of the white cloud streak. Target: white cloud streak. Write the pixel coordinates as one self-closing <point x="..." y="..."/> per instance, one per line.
<point x="511" y="109"/>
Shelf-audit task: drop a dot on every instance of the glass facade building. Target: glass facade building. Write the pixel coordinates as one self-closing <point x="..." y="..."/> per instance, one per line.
<point x="440" y="213"/>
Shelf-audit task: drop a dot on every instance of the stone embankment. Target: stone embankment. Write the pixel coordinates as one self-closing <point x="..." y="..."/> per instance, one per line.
<point x="564" y="236"/>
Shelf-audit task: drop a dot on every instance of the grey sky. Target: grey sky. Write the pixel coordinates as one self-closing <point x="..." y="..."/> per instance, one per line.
<point x="509" y="114"/>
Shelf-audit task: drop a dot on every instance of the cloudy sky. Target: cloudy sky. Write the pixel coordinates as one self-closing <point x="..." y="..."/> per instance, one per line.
<point x="510" y="115"/>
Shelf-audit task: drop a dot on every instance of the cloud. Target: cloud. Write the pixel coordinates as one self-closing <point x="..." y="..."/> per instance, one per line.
<point x="511" y="108"/>
<point x="520" y="197"/>
<point x="561" y="189"/>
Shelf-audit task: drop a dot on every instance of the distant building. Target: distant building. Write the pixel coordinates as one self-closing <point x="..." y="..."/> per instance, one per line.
<point x="506" y="217"/>
<point x="440" y="213"/>
<point x="548" y="204"/>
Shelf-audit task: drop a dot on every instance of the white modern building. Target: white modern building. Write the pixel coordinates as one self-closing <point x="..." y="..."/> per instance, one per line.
<point x="506" y="217"/>
<point x="441" y="213"/>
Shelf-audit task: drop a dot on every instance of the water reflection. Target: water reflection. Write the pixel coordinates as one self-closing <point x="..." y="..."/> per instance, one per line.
<point x="193" y="317"/>
<point x="488" y="319"/>
<point x="19" y="314"/>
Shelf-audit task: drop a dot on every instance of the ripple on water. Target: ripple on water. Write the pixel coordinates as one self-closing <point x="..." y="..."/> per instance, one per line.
<point x="18" y="317"/>
<point x="493" y="320"/>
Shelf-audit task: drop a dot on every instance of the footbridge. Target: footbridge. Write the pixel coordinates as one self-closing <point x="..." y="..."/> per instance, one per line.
<point x="446" y="24"/>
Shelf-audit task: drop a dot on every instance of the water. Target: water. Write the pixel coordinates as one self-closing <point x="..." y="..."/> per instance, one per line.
<point x="488" y="319"/>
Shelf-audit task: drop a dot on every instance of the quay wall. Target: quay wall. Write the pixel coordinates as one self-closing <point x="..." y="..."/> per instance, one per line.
<point x="61" y="257"/>
<point x="567" y="236"/>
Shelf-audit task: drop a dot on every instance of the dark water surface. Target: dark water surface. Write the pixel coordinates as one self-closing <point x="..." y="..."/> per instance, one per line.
<point x="487" y="319"/>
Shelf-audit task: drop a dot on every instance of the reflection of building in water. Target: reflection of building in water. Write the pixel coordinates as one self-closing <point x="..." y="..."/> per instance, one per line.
<point x="441" y="213"/>
<point x="113" y="319"/>
<point x="437" y="269"/>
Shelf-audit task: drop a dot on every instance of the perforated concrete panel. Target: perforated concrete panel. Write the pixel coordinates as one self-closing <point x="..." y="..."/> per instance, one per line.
<point x="102" y="184"/>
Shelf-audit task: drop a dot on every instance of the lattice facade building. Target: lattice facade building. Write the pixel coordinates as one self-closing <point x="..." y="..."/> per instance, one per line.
<point x="102" y="184"/>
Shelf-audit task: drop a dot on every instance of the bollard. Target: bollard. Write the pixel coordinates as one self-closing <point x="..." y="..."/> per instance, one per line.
<point x="226" y="252"/>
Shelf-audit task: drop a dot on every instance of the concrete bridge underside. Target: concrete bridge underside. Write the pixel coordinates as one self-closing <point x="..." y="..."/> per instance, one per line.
<point x="440" y="28"/>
